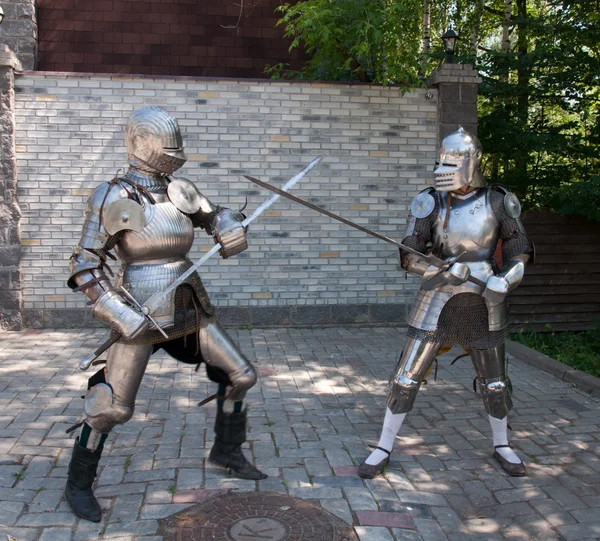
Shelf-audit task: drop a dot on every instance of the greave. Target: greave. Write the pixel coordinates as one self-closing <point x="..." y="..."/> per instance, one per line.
<point x="82" y="472"/>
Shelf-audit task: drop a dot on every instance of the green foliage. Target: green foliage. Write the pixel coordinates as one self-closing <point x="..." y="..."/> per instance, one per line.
<point x="539" y="106"/>
<point x="580" y="350"/>
<point x="355" y="40"/>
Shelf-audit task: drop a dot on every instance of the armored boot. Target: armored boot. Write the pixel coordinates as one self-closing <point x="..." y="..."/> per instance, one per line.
<point x="82" y="472"/>
<point x="230" y="433"/>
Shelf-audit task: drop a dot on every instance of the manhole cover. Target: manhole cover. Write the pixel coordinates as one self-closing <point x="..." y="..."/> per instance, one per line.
<point x="255" y="516"/>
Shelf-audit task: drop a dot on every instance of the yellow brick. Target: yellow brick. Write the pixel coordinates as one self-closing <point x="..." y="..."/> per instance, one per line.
<point x="20" y="148"/>
<point x="262" y="296"/>
<point x="31" y="242"/>
<point x="280" y="138"/>
<point x="329" y="255"/>
<point x="45" y="97"/>
<point x="55" y="298"/>
<point x="197" y="157"/>
<point x="359" y="206"/>
<point x="208" y="94"/>
<point x="272" y="213"/>
<point x="320" y="85"/>
<point x="121" y="78"/>
<point x="432" y="116"/>
<point x="386" y="293"/>
<point x="204" y="248"/>
<point x="379" y="153"/>
<point x="82" y="191"/>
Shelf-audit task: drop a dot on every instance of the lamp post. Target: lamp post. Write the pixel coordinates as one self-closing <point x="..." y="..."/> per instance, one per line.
<point x="449" y="40"/>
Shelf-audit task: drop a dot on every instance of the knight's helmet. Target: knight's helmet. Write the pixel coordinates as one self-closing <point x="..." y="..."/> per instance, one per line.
<point x="153" y="141"/>
<point x="459" y="162"/>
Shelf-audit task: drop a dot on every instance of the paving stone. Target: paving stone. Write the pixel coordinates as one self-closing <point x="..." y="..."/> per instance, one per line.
<point x="56" y="534"/>
<point x="382" y="518"/>
<point x="371" y="533"/>
<point x="326" y="410"/>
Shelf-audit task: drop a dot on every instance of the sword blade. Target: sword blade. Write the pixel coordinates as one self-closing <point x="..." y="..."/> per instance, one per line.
<point x="159" y="298"/>
<point x="431" y="259"/>
<point x="334" y="216"/>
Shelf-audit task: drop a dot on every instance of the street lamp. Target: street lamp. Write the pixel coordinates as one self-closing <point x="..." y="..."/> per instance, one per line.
<point x="449" y="40"/>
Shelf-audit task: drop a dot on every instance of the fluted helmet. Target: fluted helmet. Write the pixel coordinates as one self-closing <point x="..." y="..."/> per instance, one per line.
<point x="459" y="162"/>
<point x="153" y="141"/>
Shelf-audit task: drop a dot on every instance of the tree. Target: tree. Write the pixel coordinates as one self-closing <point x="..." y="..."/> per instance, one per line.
<point x="366" y="40"/>
<point x="539" y="61"/>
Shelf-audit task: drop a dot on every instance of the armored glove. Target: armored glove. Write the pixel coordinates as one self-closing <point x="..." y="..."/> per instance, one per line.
<point x="229" y="232"/>
<point x="457" y="274"/>
<point x="496" y="289"/>
<point x="112" y="309"/>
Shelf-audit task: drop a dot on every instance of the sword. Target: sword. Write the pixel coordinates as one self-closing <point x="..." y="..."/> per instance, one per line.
<point x="159" y="298"/>
<point x="429" y="258"/>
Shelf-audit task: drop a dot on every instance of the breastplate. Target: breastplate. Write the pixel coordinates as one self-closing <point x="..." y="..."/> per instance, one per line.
<point x="157" y="255"/>
<point x="167" y="237"/>
<point x="471" y="227"/>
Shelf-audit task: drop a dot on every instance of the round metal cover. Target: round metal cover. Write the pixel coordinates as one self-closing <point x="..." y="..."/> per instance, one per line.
<point x="422" y="205"/>
<point x="255" y="516"/>
<point x="124" y="214"/>
<point x="98" y="400"/>
<point x="184" y="195"/>
<point x="512" y="205"/>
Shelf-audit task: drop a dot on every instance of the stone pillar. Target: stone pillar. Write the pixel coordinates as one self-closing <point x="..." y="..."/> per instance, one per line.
<point x="10" y="214"/>
<point x="19" y="30"/>
<point x="457" y="98"/>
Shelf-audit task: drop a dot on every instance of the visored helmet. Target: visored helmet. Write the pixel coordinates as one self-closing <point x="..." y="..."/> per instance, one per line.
<point x="459" y="162"/>
<point x="153" y="141"/>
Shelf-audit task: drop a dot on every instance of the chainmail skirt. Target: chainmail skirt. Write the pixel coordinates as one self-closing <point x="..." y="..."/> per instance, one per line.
<point x="463" y="322"/>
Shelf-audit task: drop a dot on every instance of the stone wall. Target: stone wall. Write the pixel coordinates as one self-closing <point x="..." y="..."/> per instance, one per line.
<point x="19" y="30"/>
<point x="301" y="267"/>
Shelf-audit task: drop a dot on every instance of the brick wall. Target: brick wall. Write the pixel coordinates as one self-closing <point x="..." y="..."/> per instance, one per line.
<point x="214" y="38"/>
<point x="301" y="267"/>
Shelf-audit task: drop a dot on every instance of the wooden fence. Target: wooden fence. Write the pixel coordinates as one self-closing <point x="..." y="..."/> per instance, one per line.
<point x="561" y="291"/>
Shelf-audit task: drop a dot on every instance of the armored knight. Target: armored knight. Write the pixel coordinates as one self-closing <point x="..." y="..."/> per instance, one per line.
<point x="460" y="222"/>
<point x="148" y="218"/>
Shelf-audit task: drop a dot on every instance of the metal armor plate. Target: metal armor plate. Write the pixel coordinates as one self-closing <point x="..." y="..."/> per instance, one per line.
<point x="124" y="215"/>
<point x="512" y="205"/>
<point x="186" y="197"/>
<point x="422" y="205"/>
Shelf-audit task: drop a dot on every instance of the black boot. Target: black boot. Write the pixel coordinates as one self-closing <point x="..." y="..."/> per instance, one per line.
<point x="82" y="472"/>
<point x="230" y="430"/>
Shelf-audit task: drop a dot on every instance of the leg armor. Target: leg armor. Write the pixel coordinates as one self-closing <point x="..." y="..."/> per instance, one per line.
<point x="109" y="404"/>
<point x="219" y="351"/>
<point x="495" y="386"/>
<point x="404" y="384"/>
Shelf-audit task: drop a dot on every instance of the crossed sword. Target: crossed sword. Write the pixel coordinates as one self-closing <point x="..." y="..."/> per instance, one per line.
<point x="159" y="298"/>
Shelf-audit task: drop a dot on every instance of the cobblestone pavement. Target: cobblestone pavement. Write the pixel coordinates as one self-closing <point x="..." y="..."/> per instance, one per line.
<point x="319" y="403"/>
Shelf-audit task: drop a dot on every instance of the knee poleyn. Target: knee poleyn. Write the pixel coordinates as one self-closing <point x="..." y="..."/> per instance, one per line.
<point x="243" y="380"/>
<point x="102" y="413"/>
<point x="497" y="396"/>
<point x="402" y="394"/>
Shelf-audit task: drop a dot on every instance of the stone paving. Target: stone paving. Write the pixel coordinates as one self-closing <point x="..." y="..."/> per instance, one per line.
<point x="319" y="403"/>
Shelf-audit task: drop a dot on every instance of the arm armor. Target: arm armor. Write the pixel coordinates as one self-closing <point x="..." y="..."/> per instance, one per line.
<point x="229" y="231"/>
<point x="517" y="249"/>
<point x="418" y="233"/>
<point x="88" y="264"/>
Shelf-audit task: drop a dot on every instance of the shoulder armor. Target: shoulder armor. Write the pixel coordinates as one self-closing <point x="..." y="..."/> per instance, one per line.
<point x="186" y="197"/>
<point x="423" y="204"/>
<point x="104" y="195"/>
<point x="512" y="204"/>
